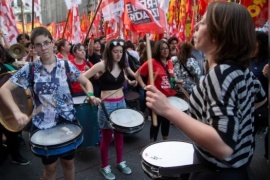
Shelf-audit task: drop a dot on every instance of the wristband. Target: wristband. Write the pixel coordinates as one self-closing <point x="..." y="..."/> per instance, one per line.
<point x="90" y="94"/>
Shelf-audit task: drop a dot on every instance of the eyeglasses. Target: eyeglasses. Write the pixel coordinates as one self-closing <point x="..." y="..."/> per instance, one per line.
<point x="118" y="43"/>
<point x="81" y="50"/>
<point x="45" y="45"/>
<point x="164" y="49"/>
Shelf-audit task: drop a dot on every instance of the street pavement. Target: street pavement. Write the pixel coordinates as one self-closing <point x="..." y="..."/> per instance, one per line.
<point x="87" y="160"/>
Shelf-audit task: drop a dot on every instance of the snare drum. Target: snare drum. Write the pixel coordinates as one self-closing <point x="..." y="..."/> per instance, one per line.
<point x="169" y="159"/>
<point x="178" y="103"/>
<point x="133" y="99"/>
<point x="126" y="121"/>
<point x="87" y="116"/>
<point x="58" y="140"/>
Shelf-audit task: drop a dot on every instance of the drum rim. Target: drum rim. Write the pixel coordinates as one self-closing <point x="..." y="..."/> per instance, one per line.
<point x="56" y="145"/>
<point x="158" y="173"/>
<point x="55" y="151"/>
<point x="78" y="104"/>
<point x="175" y="97"/>
<point x="162" y="141"/>
<point x="128" y="131"/>
<point x="128" y="109"/>
<point x="8" y="75"/>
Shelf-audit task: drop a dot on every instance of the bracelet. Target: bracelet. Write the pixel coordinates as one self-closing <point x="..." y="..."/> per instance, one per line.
<point x="90" y="94"/>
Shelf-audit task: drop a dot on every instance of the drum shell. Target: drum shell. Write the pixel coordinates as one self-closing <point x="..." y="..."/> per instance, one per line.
<point x="60" y="149"/>
<point x="87" y="116"/>
<point x="124" y="129"/>
<point x="128" y="131"/>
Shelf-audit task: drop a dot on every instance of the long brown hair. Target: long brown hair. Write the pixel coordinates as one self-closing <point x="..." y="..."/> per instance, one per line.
<point x="231" y="27"/>
<point x="184" y="53"/>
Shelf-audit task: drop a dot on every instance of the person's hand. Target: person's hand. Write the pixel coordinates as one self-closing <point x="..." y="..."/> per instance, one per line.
<point x="21" y="118"/>
<point x="265" y="70"/>
<point x="32" y="52"/>
<point x="94" y="100"/>
<point x="132" y="83"/>
<point x="96" y="76"/>
<point x="156" y="100"/>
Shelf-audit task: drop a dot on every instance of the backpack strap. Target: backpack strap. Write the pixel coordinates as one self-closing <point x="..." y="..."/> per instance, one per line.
<point x="31" y="82"/>
<point x="68" y="76"/>
<point x="87" y="63"/>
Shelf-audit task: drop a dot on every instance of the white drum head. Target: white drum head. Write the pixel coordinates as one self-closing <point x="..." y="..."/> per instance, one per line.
<point x="169" y="154"/>
<point x="79" y="99"/>
<point x="57" y="135"/>
<point x="126" y="118"/>
<point x="178" y="103"/>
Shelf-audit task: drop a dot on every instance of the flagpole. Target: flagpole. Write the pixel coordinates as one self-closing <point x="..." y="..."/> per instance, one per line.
<point x="66" y="24"/>
<point x="22" y="13"/>
<point x="33" y="14"/>
<point x="92" y="22"/>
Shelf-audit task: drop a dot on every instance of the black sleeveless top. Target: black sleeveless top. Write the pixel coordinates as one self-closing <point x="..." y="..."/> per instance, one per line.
<point x="108" y="82"/>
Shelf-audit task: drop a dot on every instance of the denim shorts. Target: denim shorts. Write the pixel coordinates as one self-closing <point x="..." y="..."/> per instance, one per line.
<point x="110" y="107"/>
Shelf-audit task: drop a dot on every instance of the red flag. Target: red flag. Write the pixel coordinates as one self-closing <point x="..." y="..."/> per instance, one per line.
<point x="8" y="21"/>
<point x="258" y="11"/>
<point x="112" y="30"/>
<point x="144" y="17"/>
<point x="202" y="6"/>
<point x="84" y="23"/>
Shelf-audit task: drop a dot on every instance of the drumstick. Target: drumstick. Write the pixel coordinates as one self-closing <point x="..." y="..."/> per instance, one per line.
<point x="85" y="91"/>
<point x="183" y="90"/>
<point x="112" y="93"/>
<point x="150" y="69"/>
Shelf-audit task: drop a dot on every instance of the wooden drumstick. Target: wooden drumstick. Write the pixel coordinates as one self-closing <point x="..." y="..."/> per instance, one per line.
<point x="151" y="74"/>
<point x="183" y="90"/>
<point x="85" y="91"/>
<point x="112" y="93"/>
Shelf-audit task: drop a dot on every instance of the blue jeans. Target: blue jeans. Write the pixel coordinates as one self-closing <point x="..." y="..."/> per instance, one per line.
<point x="110" y="107"/>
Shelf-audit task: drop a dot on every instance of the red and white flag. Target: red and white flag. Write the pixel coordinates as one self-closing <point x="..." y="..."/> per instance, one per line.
<point x="8" y="21"/>
<point x="112" y="9"/>
<point x="37" y="8"/>
<point x="76" y="28"/>
<point x="141" y="16"/>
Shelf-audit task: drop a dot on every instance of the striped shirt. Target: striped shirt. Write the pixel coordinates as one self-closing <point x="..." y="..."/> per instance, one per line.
<point x="224" y="99"/>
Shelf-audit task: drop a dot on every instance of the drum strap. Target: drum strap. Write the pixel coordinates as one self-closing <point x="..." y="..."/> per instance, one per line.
<point x="105" y="111"/>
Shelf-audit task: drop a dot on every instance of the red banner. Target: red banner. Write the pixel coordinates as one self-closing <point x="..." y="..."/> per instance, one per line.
<point x="258" y="10"/>
<point x="144" y="16"/>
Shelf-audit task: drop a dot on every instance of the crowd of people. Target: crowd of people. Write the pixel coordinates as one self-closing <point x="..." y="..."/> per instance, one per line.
<point x="226" y="83"/>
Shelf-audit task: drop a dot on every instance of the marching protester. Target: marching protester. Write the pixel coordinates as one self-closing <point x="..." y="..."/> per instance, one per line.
<point x="111" y="78"/>
<point x="163" y="71"/>
<point x="79" y="61"/>
<point x="9" y="141"/>
<point x="173" y="42"/>
<point x="221" y="120"/>
<point x="50" y="92"/>
<point x="63" y="48"/>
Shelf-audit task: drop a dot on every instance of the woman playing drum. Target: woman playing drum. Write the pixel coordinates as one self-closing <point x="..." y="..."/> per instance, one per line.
<point x="111" y="78"/>
<point x="52" y="97"/>
<point x="221" y="124"/>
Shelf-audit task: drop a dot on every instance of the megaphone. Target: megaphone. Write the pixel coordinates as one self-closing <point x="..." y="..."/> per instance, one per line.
<point x="17" y="51"/>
